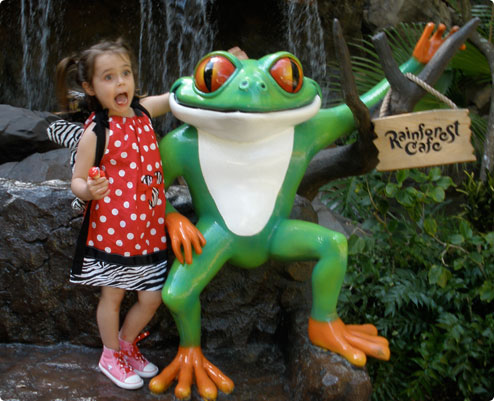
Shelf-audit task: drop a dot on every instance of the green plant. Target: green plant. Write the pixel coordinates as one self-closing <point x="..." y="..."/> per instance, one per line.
<point x="425" y="277"/>
<point x="478" y="203"/>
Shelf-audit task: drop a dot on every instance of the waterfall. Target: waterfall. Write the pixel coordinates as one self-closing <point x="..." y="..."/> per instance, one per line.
<point x="305" y="37"/>
<point x="174" y="35"/>
<point x="35" y="33"/>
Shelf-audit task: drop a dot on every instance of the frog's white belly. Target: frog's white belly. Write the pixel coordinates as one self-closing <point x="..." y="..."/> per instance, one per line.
<point x="244" y="158"/>
<point x="244" y="178"/>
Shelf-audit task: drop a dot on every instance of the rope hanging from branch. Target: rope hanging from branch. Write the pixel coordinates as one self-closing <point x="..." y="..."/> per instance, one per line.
<point x="383" y="111"/>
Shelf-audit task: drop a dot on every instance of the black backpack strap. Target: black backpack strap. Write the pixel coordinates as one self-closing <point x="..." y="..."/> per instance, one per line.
<point x="80" y="246"/>
<point x="139" y="109"/>
<point x="101" y="124"/>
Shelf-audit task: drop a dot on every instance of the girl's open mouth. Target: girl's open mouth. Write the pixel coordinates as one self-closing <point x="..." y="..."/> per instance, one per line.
<point x="121" y="99"/>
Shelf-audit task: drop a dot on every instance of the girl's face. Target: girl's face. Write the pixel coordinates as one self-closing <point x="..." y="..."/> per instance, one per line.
<point x="113" y="83"/>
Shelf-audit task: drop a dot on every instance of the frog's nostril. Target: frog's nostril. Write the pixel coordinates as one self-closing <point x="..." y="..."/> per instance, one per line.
<point x="244" y="85"/>
<point x="262" y="86"/>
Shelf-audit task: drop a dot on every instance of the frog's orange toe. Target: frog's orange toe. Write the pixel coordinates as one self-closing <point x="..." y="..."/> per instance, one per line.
<point x="190" y="364"/>
<point x="353" y="342"/>
<point x="375" y="346"/>
<point x="367" y="328"/>
<point x="331" y="336"/>
<point x="160" y="383"/>
<point x="224" y="383"/>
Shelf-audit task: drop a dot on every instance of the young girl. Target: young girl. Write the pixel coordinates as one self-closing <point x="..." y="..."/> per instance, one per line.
<point x="122" y="245"/>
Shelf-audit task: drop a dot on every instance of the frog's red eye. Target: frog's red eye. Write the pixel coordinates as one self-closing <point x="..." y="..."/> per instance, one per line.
<point x="288" y="73"/>
<point x="212" y="73"/>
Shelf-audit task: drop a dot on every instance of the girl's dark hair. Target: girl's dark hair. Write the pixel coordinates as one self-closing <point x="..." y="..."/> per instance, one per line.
<point x="72" y="71"/>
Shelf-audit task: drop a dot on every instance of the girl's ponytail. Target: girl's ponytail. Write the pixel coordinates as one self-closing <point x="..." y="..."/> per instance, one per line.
<point x="66" y="70"/>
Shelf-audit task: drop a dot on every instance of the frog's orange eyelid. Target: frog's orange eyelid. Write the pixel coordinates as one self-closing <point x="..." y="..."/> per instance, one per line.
<point x="287" y="72"/>
<point x="212" y="73"/>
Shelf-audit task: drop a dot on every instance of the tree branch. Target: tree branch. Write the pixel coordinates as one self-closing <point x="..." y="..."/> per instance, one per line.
<point x="361" y="156"/>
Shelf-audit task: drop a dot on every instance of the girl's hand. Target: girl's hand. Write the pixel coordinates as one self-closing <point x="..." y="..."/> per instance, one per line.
<point x="182" y="233"/>
<point x="97" y="184"/>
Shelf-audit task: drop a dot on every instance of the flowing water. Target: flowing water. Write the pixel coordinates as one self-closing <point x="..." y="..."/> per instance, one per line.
<point x="35" y="34"/>
<point x="305" y="38"/>
<point x="172" y="36"/>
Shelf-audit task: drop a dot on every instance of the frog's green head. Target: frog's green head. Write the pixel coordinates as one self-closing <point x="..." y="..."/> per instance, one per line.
<point x="244" y="92"/>
<point x="223" y="82"/>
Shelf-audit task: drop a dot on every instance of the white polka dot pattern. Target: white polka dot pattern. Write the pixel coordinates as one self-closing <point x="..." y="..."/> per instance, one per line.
<point x="130" y="220"/>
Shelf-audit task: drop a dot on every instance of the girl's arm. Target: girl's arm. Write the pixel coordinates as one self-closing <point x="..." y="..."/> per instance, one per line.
<point x="82" y="186"/>
<point x="156" y="105"/>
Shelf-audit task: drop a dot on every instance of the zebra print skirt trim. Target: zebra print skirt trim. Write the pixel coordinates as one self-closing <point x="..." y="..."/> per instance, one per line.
<point x="135" y="278"/>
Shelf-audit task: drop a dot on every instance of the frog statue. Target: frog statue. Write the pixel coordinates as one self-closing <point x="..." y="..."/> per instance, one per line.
<point x="251" y="128"/>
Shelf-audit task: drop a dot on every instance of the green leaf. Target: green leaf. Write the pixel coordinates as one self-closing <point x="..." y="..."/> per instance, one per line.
<point x="391" y="190"/>
<point x="401" y="176"/>
<point x="439" y="275"/>
<point x="438" y="194"/>
<point x="356" y="245"/>
<point x="487" y="291"/>
<point x="430" y="226"/>
<point x="458" y="264"/>
<point x="457" y="332"/>
<point x="490" y="239"/>
<point x="465" y="229"/>
<point x="476" y="257"/>
<point x="445" y="182"/>
<point x="456" y="239"/>
<point x="434" y="173"/>
<point x="407" y="197"/>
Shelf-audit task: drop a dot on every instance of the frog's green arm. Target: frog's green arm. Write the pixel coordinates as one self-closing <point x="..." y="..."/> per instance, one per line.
<point x="330" y="124"/>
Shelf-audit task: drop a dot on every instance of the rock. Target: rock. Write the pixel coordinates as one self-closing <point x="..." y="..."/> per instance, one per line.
<point x="23" y="132"/>
<point x="328" y="219"/>
<point x="250" y="317"/>
<point x="381" y="14"/>
<point x="40" y="167"/>
<point x="320" y="375"/>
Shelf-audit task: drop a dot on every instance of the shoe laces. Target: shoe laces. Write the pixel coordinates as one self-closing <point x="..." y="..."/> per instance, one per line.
<point x="134" y="352"/>
<point x="122" y="362"/>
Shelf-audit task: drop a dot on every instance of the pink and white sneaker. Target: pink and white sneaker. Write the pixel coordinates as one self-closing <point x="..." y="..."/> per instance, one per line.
<point x="139" y="363"/>
<point x="114" y="365"/>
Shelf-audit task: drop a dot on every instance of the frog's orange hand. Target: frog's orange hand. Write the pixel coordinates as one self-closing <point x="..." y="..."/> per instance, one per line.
<point x="353" y="342"/>
<point x="428" y="45"/>
<point x="189" y="363"/>
<point x="183" y="234"/>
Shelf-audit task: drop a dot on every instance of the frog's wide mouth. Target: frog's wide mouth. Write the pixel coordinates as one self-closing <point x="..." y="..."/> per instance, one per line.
<point x="243" y="126"/>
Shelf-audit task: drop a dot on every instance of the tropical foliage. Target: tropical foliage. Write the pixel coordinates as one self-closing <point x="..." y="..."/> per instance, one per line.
<point x="424" y="273"/>
<point x="421" y="258"/>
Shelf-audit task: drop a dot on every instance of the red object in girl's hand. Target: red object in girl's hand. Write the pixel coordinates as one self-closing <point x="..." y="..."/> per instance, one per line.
<point x="95" y="173"/>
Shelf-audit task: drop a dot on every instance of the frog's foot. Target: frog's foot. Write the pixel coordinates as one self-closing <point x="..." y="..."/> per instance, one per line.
<point x="190" y="363"/>
<point x="353" y="342"/>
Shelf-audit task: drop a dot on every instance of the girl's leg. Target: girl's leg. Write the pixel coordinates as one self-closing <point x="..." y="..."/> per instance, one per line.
<point x="137" y="318"/>
<point x="112" y="362"/>
<point x="107" y="316"/>
<point x="140" y="314"/>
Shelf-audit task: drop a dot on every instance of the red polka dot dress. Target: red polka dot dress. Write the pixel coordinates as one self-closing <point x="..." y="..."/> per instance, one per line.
<point x="126" y="241"/>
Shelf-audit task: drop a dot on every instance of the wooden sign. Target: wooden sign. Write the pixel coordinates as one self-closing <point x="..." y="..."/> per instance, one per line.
<point x="423" y="139"/>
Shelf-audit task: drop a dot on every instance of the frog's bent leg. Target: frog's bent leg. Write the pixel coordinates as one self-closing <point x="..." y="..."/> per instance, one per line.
<point x="299" y="240"/>
<point x="181" y="295"/>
